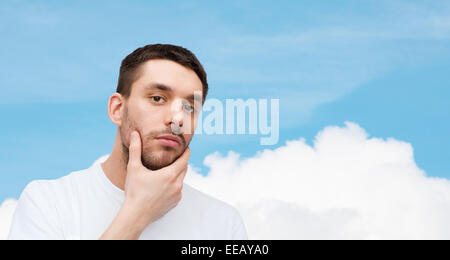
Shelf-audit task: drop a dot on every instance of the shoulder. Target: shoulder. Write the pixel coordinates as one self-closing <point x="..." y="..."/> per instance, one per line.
<point x="55" y="192"/>
<point x="39" y="211"/>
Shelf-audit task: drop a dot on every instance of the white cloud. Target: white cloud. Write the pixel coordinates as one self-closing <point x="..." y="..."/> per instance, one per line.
<point x="345" y="186"/>
<point x="6" y="213"/>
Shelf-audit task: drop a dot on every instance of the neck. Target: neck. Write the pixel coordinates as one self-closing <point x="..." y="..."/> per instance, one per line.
<point x="115" y="166"/>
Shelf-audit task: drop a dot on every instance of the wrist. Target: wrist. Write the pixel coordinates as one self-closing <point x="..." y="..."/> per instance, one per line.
<point x="132" y="215"/>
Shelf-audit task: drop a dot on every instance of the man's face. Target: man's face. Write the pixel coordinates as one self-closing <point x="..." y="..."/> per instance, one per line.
<point x="162" y="103"/>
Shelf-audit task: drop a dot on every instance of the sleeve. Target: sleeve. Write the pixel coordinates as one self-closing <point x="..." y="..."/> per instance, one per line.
<point x="35" y="217"/>
<point x="239" y="230"/>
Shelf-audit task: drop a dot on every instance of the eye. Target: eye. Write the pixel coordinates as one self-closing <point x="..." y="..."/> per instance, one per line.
<point x="189" y="108"/>
<point x="157" y="99"/>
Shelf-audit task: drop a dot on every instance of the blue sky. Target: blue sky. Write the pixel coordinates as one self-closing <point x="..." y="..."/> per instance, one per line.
<point x="382" y="64"/>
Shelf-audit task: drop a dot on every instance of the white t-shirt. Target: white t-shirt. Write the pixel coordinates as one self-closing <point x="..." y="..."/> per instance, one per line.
<point x="83" y="204"/>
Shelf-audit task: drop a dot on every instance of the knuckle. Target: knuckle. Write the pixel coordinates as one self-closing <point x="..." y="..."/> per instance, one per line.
<point x="183" y="173"/>
<point x="172" y="178"/>
<point x="167" y="178"/>
<point x="133" y="148"/>
<point x="179" y="187"/>
<point x="176" y="189"/>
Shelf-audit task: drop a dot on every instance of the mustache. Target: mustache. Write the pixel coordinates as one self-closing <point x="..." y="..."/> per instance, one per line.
<point x="168" y="131"/>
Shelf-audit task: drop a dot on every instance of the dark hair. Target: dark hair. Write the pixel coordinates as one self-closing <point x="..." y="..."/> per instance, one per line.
<point x="178" y="54"/>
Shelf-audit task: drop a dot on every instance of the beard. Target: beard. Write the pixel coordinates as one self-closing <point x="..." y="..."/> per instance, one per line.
<point x="153" y="156"/>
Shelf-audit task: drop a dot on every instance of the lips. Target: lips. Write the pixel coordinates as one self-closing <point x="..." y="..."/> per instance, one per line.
<point x="169" y="140"/>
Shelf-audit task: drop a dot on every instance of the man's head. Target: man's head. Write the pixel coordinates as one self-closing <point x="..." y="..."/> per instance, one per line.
<point x="160" y="92"/>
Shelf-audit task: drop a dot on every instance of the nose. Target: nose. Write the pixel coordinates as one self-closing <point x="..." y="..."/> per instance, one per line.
<point x="176" y="119"/>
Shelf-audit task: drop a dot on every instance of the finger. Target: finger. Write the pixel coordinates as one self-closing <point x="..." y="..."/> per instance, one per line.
<point x="135" y="150"/>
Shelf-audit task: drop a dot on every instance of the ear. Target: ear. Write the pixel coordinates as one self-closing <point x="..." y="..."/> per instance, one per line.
<point x="115" y="108"/>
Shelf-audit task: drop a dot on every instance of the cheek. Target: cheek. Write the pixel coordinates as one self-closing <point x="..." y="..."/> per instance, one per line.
<point x="187" y="138"/>
<point x="129" y="122"/>
<point x="147" y="117"/>
<point x="151" y="122"/>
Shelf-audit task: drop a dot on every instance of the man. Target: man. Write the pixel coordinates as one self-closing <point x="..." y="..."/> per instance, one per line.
<point x="138" y="192"/>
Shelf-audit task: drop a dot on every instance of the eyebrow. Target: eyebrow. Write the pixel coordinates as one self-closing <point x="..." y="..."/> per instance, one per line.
<point x="163" y="87"/>
<point x="159" y="86"/>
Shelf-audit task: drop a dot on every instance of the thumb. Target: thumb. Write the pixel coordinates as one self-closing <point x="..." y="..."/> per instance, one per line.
<point x="134" y="150"/>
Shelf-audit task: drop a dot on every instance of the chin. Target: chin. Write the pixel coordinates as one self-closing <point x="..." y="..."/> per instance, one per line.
<point x="156" y="160"/>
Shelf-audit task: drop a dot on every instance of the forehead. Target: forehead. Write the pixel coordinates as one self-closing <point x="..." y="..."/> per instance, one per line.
<point x="180" y="79"/>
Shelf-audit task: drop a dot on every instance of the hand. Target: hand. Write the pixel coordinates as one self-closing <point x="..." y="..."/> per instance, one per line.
<point x="151" y="194"/>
